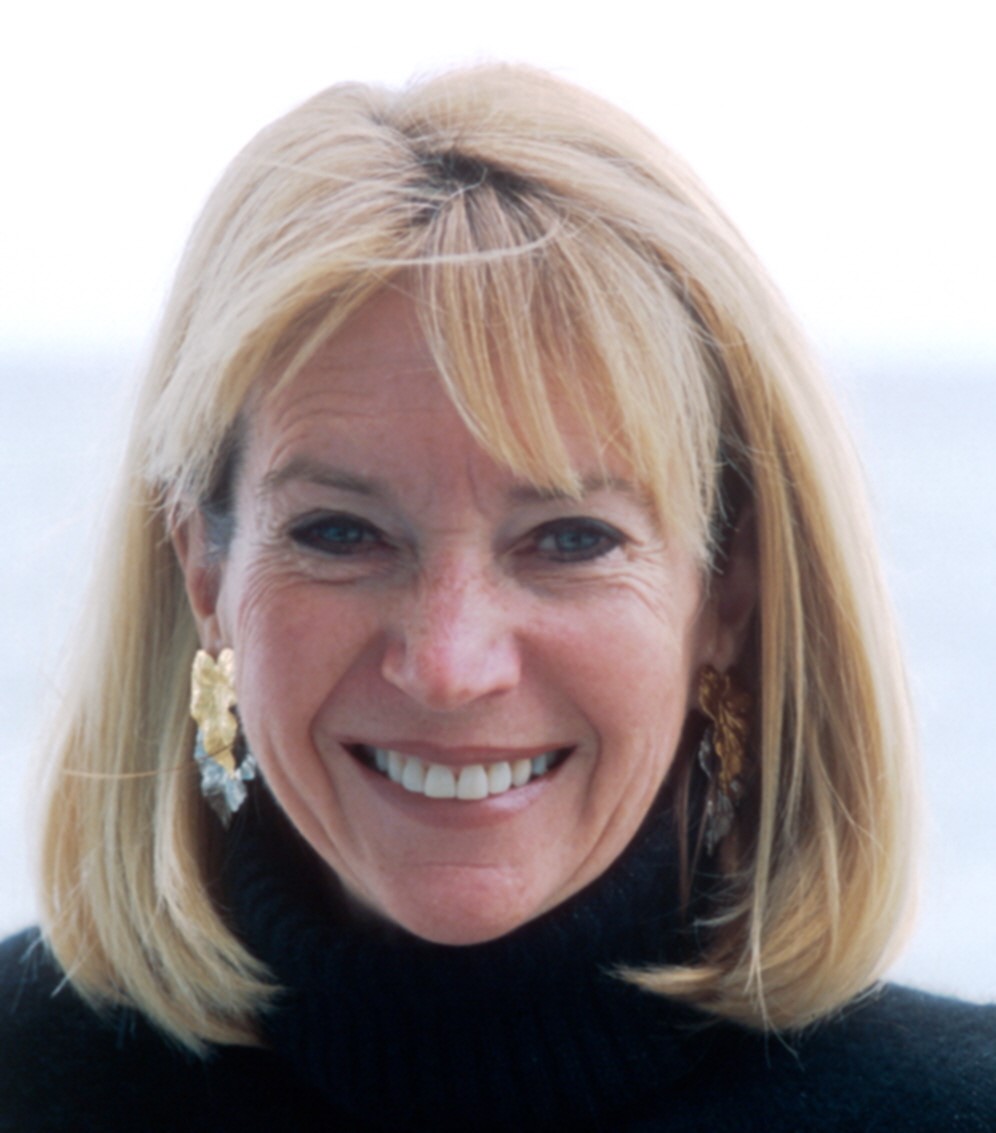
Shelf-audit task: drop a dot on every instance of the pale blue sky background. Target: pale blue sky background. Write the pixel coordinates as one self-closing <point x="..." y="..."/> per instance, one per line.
<point x="852" y="143"/>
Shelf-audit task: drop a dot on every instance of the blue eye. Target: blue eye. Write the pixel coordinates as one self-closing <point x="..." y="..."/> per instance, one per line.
<point x="577" y="540"/>
<point x="336" y="535"/>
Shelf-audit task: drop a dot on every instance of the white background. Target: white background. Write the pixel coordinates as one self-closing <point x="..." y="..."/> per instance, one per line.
<point x="853" y="144"/>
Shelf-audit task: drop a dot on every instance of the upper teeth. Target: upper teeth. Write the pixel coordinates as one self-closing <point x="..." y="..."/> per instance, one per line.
<point x="475" y="781"/>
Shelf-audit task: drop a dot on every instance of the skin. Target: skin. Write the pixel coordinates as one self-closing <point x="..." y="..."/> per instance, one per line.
<point x="388" y="584"/>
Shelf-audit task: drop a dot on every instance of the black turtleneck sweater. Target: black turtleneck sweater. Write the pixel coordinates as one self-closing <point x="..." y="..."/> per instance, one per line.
<point x="379" y="1031"/>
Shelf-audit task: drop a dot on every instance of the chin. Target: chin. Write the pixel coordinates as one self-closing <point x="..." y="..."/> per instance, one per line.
<point x="462" y="910"/>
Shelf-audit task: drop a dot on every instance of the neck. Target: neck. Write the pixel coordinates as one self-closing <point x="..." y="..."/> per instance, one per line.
<point x="532" y="1030"/>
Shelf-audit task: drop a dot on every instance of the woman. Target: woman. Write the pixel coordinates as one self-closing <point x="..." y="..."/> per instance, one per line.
<point x="542" y="679"/>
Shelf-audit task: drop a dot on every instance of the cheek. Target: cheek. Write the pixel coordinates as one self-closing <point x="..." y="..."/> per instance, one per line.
<point x="294" y="644"/>
<point x="635" y="682"/>
<point x="639" y="647"/>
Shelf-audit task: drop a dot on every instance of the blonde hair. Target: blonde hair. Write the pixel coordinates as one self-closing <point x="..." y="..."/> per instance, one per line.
<point x="558" y="253"/>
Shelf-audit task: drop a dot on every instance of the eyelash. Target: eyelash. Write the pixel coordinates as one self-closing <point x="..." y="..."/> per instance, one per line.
<point x="344" y="536"/>
<point x="315" y="534"/>
<point x="599" y="539"/>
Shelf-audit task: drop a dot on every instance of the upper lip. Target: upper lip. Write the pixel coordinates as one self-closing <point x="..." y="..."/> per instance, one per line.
<point x="456" y="756"/>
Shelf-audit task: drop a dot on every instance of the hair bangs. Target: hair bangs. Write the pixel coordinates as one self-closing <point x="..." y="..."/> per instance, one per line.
<point x="541" y="333"/>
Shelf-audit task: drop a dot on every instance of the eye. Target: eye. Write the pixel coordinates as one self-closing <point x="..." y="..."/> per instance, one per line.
<point x="337" y="535"/>
<point x="577" y="540"/>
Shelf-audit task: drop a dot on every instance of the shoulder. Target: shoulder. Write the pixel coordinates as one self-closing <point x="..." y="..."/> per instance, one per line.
<point x="896" y="1059"/>
<point x="929" y="1049"/>
<point x="908" y="1025"/>
<point x="63" y="1066"/>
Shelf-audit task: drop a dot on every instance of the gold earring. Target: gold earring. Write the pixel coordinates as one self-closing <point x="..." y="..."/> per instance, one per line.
<point x="219" y="745"/>
<point x="722" y="751"/>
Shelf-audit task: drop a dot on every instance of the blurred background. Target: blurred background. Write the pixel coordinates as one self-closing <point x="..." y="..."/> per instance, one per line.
<point x="852" y="143"/>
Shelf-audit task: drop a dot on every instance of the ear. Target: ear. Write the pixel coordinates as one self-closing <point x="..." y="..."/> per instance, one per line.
<point x="202" y="572"/>
<point x="733" y="596"/>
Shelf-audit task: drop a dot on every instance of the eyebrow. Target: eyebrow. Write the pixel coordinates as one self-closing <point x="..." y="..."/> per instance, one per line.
<point x="313" y="471"/>
<point x="531" y="493"/>
<point x="325" y="475"/>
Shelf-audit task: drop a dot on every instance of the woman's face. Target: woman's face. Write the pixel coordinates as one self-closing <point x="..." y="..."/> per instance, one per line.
<point x="403" y="608"/>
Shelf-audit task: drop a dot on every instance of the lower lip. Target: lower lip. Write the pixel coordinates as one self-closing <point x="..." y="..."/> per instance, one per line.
<point x="459" y="813"/>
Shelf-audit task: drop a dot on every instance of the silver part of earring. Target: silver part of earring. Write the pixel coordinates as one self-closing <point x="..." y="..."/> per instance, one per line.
<point x="226" y="764"/>
<point x="721" y="802"/>
<point x="224" y="791"/>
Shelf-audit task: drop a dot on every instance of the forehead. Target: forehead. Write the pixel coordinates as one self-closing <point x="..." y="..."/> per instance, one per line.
<point x="378" y="373"/>
<point x="383" y="390"/>
<point x="380" y="351"/>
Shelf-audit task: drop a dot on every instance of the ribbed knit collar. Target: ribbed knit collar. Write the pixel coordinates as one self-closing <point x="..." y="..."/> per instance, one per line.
<point x="529" y="1032"/>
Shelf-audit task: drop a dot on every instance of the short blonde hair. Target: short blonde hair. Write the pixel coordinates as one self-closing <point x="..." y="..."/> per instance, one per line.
<point x="557" y="253"/>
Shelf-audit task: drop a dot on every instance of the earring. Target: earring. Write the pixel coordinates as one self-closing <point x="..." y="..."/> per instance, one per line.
<point x="722" y="750"/>
<point x="219" y="744"/>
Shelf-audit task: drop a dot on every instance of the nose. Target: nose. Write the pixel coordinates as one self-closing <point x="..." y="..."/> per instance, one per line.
<point x="453" y="641"/>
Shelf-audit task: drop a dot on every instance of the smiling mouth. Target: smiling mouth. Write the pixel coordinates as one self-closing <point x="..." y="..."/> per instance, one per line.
<point x="473" y="782"/>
